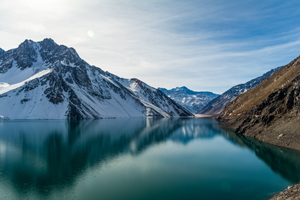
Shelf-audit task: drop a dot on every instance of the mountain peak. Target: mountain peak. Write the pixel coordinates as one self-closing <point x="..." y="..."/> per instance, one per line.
<point x="39" y="54"/>
<point x="27" y="41"/>
<point x="25" y="44"/>
<point x="49" y="45"/>
<point x="48" y="40"/>
<point x="183" y="88"/>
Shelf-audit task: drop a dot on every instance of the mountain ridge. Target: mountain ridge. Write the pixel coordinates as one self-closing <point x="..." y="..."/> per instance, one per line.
<point x="189" y="99"/>
<point x="270" y="111"/>
<point x="44" y="80"/>
<point x="217" y="105"/>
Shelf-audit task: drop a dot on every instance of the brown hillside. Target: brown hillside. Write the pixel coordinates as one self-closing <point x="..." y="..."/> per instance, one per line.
<point x="271" y="110"/>
<point x="278" y="80"/>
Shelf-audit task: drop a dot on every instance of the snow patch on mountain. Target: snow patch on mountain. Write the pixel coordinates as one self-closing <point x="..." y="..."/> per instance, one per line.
<point x="5" y="87"/>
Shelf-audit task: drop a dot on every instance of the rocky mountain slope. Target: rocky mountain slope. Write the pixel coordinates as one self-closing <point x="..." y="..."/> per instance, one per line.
<point x="271" y="111"/>
<point x="1" y="51"/>
<point x="191" y="100"/>
<point x="43" y="80"/>
<point x="217" y="105"/>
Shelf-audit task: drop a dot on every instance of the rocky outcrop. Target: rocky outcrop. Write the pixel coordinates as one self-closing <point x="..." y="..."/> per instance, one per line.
<point x="271" y="111"/>
<point x="217" y="105"/>
<point x="292" y="193"/>
<point x="1" y="51"/>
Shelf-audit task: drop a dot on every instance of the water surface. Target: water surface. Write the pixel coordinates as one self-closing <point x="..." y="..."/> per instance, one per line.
<point x="138" y="159"/>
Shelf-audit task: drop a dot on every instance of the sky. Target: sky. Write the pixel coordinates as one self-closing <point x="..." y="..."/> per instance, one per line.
<point x="205" y="45"/>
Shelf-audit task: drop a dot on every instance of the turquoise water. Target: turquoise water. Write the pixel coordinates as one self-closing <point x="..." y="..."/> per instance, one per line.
<point x="138" y="159"/>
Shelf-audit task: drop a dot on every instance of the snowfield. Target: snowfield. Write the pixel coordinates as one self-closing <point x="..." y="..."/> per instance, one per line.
<point x="6" y="87"/>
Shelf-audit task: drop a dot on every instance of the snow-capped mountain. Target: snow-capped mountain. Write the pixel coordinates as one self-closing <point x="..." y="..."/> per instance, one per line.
<point x="191" y="100"/>
<point x="44" y="80"/>
<point x="217" y="105"/>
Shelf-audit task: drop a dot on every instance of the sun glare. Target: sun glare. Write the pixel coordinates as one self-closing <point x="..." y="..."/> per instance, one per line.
<point x="90" y="33"/>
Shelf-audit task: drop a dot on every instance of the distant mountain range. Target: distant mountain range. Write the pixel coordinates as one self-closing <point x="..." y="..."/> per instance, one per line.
<point x="44" y="80"/>
<point x="191" y="100"/>
<point x="217" y="105"/>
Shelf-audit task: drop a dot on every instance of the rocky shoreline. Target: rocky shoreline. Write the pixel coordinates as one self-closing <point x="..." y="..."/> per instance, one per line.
<point x="282" y="133"/>
<point x="291" y="193"/>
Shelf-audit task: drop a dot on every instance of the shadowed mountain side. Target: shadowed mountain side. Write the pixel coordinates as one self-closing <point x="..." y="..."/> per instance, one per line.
<point x="1" y="51"/>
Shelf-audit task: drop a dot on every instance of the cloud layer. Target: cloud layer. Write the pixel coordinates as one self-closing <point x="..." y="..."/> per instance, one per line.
<point x="204" y="45"/>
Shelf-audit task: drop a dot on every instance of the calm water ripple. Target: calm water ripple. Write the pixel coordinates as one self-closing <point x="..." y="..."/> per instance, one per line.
<point x="138" y="159"/>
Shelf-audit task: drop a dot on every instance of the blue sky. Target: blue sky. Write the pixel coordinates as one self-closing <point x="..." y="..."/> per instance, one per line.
<point x="206" y="45"/>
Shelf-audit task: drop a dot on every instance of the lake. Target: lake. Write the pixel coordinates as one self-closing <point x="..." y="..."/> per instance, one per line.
<point x="139" y="158"/>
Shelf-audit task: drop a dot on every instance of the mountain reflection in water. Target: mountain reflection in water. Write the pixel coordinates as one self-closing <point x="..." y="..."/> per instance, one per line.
<point x="46" y="155"/>
<point x="283" y="161"/>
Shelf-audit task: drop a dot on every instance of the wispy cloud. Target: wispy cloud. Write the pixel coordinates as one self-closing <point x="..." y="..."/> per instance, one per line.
<point x="204" y="45"/>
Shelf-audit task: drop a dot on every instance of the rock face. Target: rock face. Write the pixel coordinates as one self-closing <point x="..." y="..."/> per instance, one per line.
<point x="217" y="105"/>
<point x="271" y="111"/>
<point x="292" y="193"/>
<point x="191" y="100"/>
<point x="1" y="51"/>
<point x="43" y="80"/>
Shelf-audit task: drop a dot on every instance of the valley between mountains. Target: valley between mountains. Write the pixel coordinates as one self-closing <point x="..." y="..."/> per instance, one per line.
<point x="44" y="80"/>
